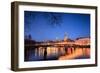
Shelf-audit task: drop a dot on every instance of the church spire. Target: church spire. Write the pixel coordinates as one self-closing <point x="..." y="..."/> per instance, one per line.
<point x="65" y="37"/>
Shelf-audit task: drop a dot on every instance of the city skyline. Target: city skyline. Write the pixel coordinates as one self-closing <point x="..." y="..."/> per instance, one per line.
<point x="72" y="25"/>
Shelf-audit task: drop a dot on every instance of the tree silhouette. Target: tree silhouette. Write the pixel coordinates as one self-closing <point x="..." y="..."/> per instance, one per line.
<point x="53" y="19"/>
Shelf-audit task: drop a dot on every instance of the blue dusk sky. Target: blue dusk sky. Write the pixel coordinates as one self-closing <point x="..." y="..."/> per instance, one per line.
<point x="40" y="27"/>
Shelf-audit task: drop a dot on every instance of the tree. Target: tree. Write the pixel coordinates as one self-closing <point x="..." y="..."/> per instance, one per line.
<point x="53" y="19"/>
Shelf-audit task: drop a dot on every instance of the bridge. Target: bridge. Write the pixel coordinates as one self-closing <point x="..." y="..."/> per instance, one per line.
<point x="57" y="45"/>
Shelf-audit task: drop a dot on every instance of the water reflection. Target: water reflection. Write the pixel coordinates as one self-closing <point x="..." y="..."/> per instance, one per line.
<point x="55" y="53"/>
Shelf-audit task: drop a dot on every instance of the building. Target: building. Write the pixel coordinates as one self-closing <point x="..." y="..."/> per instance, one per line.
<point x="82" y="41"/>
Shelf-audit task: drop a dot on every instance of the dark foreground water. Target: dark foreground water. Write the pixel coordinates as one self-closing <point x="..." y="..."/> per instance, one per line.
<point x="41" y="54"/>
<point x="44" y="54"/>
